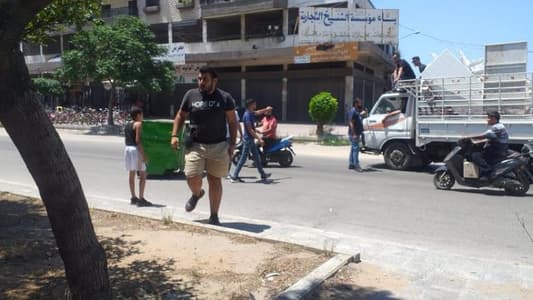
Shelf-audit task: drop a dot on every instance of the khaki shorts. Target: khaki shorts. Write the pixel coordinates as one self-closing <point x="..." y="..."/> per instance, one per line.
<point x="211" y="157"/>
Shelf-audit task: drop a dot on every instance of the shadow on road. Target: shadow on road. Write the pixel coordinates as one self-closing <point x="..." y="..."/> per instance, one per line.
<point x="487" y="192"/>
<point x="255" y="228"/>
<point x="250" y="227"/>
<point x="168" y="177"/>
<point x="429" y="169"/>
<point x="341" y="291"/>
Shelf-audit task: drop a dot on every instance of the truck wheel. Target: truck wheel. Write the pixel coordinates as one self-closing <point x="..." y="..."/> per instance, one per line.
<point x="285" y="159"/>
<point x="443" y="180"/>
<point x="398" y="156"/>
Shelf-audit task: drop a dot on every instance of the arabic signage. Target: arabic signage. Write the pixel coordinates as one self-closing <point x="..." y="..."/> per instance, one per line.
<point x="187" y="73"/>
<point x="176" y="53"/>
<point x="319" y="25"/>
<point x="325" y="53"/>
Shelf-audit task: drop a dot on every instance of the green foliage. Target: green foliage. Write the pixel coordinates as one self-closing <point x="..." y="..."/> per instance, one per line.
<point x="60" y="14"/>
<point x="122" y="53"/>
<point x="48" y="87"/>
<point x="323" y="107"/>
<point x="333" y="140"/>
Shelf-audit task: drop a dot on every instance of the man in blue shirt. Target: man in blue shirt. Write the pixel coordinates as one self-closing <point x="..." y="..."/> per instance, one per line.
<point x="250" y="135"/>
<point x="355" y="130"/>
<point x="496" y="139"/>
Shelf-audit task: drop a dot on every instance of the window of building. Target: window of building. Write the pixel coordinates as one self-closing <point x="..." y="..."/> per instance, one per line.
<point x="187" y="32"/>
<point x="161" y="33"/>
<point x="222" y="29"/>
<point x="67" y="42"/>
<point x="264" y="24"/>
<point x="30" y="49"/>
<point x="53" y="46"/>
<point x="152" y="3"/>
<point x="106" y="11"/>
<point x="294" y="13"/>
<point x="132" y="8"/>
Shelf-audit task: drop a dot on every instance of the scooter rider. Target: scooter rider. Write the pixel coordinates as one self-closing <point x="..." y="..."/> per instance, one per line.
<point x="495" y="138"/>
<point x="268" y="129"/>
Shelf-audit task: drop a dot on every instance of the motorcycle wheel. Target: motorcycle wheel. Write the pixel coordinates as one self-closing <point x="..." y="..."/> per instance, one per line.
<point x="443" y="180"/>
<point x="236" y="157"/>
<point x="520" y="187"/>
<point x="285" y="159"/>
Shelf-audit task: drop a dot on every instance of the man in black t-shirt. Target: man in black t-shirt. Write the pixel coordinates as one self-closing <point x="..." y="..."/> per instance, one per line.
<point x="208" y="109"/>
<point x="402" y="69"/>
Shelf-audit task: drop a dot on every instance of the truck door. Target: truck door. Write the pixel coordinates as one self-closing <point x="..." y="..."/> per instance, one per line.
<point x="388" y="119"/>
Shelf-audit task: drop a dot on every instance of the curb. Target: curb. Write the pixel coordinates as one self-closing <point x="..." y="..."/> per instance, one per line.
<point x="314" y="279"/>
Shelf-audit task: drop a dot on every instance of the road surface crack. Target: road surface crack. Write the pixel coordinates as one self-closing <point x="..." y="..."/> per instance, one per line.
<point x="523" y="224"/>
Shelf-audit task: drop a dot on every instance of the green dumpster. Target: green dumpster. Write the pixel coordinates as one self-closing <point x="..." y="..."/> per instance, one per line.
<point x="162" y="159"/>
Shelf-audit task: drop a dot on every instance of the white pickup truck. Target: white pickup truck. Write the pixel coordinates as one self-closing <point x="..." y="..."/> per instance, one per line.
<point x="422" y="120"/>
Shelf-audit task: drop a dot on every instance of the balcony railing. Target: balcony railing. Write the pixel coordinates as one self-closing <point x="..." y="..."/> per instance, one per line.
<point x="108" y="14"/>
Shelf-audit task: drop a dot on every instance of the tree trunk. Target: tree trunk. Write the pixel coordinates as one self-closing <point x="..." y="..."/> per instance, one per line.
<point x="49" y="164"/>
<point x="110" y="106"/>
<point x="320" y="129"/>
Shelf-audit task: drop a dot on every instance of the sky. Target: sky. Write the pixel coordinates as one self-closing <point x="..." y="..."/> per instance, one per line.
<point x="460" y="24"/>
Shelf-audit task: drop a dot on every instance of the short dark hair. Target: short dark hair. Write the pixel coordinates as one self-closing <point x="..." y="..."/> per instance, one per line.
<point x="494" y="114"/>
<point x="208" y="70"/>
<point x="135" y="111"/>
<point x="397" y="54"/>
<point x="416" y="57"/>
<point x="249" y="102"/>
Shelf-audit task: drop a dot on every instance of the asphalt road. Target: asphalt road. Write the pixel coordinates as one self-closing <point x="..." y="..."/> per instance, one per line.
<point x="320" y="192"/>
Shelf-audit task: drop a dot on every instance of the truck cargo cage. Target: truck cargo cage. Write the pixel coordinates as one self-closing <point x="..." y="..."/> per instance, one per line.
<point x="469" y="98"/>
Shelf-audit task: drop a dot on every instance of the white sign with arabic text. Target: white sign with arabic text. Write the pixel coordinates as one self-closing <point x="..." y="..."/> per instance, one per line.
<point x="320" y="25"/>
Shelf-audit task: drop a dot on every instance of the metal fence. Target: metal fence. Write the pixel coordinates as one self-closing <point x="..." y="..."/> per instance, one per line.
<point x="472" y="97"/>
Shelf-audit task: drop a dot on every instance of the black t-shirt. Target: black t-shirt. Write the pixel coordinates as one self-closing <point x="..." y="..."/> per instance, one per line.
<point x="207" y="114"/>
<point x="407" y="70"/>
<point x="129" y="135"/>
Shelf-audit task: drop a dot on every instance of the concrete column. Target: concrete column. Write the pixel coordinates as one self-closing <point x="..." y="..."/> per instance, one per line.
<point x="243" y="87"/>
<point x="285" y="28"/>
<point x="170" y="33"/>
<point x="204" y="30"/>
<point x="41" y="52"/>
<point x="243" y="27"/>
<point x="284" y="94"/>
<point x="348" y="88"/>
<point x="351" y="4"/>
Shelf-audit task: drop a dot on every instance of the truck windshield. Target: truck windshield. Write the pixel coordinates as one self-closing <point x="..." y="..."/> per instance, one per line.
<point x="388" y="105"/>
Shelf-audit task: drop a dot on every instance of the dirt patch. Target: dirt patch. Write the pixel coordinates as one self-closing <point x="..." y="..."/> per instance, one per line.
<point x="364" y="281"/>
<point x="148" y="259"/>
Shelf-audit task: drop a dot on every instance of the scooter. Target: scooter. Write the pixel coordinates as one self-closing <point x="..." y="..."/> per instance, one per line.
<point x="509" y="173"/>
<point x="280" y="152"/>
<point x="527" y="150"/>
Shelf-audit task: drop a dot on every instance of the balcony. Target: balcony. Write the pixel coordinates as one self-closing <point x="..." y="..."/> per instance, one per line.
<point x="213" y="8"/>
<point x="152" y="7"/>
<point x="109" y="14"/>
<point x="185" y="4"/>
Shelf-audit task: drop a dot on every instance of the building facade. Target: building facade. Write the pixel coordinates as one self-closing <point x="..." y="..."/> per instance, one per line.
<point x="254" y="45"/>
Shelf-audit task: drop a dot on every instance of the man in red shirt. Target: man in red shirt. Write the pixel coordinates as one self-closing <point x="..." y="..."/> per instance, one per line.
<point x="269" y="126"/>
